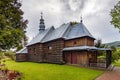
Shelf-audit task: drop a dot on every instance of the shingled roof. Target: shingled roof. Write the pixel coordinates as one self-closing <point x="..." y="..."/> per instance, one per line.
<point x="40" y="36"/>
<point x="66" y="31"/>
<point x="85" y="48"/>
<point x="22" y="51"/>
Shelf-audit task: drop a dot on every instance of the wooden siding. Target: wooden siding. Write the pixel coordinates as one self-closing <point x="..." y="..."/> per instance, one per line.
<point x="53" y="51"/>
<point x="47" y="52"/>
<point x="85" y="41"/>
<point x="92" y="57"/>
<point x="21" y="57"/>
<point x="35" y="52"/>
<point x="80" y="56"/>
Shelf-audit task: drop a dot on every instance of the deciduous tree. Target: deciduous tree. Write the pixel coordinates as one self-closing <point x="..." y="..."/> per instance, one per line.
<point x="12" y="24"/>
<point x="115" y="13"/>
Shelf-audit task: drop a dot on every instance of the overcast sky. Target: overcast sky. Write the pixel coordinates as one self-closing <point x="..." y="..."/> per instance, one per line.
<point x="95" y="13"/>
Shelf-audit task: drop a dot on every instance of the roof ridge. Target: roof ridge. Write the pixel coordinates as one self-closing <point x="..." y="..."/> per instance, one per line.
<point x="85" y="29"/>
<point x="66" y="30"/>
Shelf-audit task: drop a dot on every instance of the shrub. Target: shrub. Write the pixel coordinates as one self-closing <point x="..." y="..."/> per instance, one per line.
<point x="10" y="54"/>
<point x="1" y="55"/>
<point x="116" y="55"/>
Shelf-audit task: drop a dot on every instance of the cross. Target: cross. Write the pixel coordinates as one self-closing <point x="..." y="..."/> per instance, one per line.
<point x="41" y="13"/>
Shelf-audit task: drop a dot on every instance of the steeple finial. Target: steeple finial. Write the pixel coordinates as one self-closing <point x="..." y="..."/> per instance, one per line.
<point x="42" y="25"/>
<point x="41" y="15"/>
<point x="81" y="20"/>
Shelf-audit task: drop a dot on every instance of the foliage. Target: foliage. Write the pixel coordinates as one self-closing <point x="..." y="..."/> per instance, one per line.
<point x="115" y="55"/>
<point x="8" y="74"/>
<point x="19" y="47"/>
<point x="73" y="23"/>
<point x="10" y="54"/>
<point x="113" y="48"/>
<point x="115" y="13"/>
<point x="39" y="71"/>
<point x="103" y="57"/>
<point x="99" y="44"/>
<point x="1" y="54"/>
<point x="12" y="24"/>
<point x="115" y="52"/>
<point x="117" y="63"/>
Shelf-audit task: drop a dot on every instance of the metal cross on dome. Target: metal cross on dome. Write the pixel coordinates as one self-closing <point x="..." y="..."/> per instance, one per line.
<point x="41" y="15"/>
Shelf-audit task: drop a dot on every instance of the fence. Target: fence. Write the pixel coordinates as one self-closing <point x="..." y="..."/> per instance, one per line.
<point x="99" y="65"/>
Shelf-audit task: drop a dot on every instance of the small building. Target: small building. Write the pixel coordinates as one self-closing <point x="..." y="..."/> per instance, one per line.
<point x="70" y="43"/>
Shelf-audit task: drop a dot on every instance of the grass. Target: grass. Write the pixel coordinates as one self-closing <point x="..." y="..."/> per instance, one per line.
<point x="44" y="71"/>
<point x="117" y="63"/>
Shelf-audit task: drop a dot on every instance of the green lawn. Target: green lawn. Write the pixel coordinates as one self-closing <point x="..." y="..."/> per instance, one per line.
<point x="44" y="71"/>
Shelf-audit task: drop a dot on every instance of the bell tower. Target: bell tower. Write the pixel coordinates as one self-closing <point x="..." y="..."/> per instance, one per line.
<point x="42" y="25"/>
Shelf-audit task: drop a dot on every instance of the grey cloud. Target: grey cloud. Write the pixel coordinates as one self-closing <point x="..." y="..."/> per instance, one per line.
<point x="56" y="12"/>
<point x="73" y="5"/>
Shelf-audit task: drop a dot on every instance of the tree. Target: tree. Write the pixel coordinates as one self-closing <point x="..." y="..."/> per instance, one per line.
<point x="99" y="44"/>
<point x="115" y="13"/>
<point x="115" y="54"/>
<point x="12" y="24"/>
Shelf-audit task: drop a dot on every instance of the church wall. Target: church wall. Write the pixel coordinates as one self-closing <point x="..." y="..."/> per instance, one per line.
<point x="53" y="51"/>
<point x="76" y="57"/>
<point x="35" y="52"/>
<point x="84" y="41"/>
<point x="21" y="57"/>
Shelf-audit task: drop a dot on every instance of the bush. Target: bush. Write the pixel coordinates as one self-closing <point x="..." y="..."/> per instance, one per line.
<point x="10" y="54"/>
<point x="1" y="55"/>
<point x="102" y="59"/>
<point x="116" y="55"/>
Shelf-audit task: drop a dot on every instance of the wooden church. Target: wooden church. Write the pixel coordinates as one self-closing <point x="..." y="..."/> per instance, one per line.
<point x="70" y="43"/>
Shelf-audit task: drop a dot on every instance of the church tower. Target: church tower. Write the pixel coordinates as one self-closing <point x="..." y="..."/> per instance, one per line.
<point x="42" y="25"/>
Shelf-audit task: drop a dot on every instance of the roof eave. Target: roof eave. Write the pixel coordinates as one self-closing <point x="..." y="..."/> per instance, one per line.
<point x="88" y="48"/>
<point x="54" y="40"/>
<point x="80" y="37"/>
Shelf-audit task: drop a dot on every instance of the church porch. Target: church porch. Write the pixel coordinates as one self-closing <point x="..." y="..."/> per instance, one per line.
<point x="86" y="56"/>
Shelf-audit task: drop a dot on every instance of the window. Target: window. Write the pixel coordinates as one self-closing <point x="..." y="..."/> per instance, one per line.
<point x="75" y="42"/>
<point x="50" y="47"/>
<point x="34" y="50"/>
<point x="35" y="54"/>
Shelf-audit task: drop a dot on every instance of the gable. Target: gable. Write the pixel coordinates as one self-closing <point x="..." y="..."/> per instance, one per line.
<point x="76" y="31"/>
